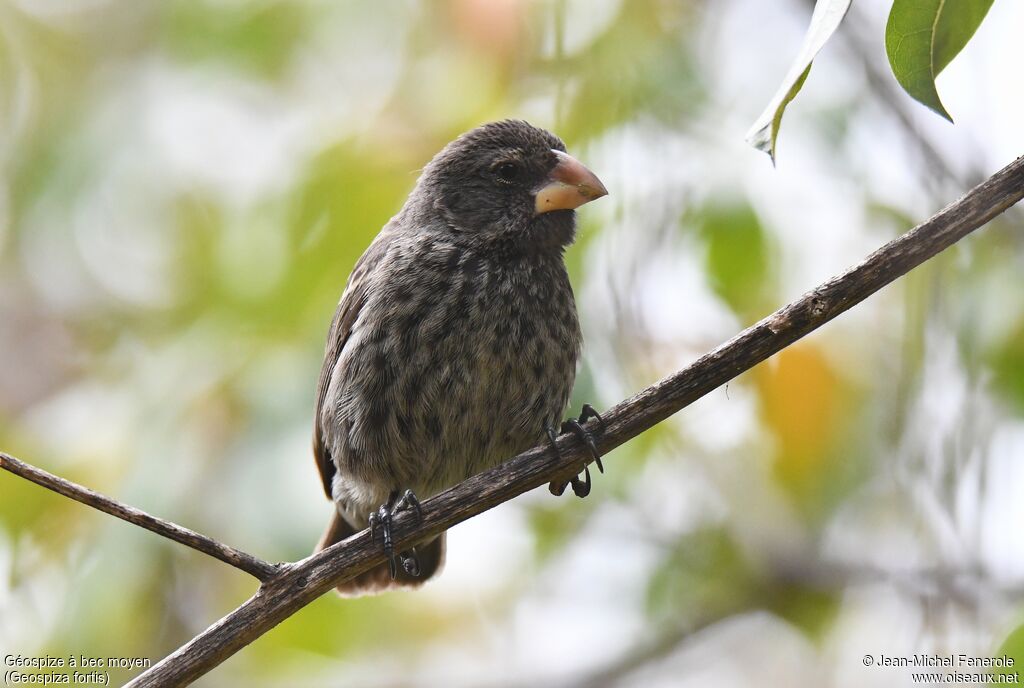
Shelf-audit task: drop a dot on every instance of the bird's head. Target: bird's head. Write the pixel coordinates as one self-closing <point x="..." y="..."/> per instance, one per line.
<point x="510" y="181"/>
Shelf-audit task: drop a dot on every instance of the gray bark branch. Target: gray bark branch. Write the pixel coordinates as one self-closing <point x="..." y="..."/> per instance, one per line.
<point x="258" y="568"/>
<point x="295" y="585"/>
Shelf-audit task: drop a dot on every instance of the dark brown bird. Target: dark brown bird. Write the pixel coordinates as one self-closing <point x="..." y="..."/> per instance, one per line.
<point x="455" y="343"/>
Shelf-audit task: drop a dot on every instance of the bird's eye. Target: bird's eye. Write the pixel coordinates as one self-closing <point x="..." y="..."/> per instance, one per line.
<point x="507" y="171"/>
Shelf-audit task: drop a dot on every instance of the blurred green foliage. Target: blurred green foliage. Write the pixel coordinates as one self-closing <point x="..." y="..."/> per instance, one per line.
<point x="260" y="36"/>
<point x="1013" y="648"/>
<point x="704" y="576"/>
<point x="1007" y="361"/>
<point x="737" y="258"/>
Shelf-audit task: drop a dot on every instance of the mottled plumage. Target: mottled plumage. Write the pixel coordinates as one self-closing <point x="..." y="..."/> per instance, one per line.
<point x="456" y="339"/>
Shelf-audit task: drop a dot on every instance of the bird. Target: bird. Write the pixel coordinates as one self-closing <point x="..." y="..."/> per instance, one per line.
<point x="455" y="342"/>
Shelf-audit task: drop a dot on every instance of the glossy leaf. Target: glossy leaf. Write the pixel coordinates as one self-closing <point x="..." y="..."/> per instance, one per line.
<point x="828" y="14"/>
<point x="923" y="36"/>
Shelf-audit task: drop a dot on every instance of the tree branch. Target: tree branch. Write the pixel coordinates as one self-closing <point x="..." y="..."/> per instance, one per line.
<point x="190" y="538"/>
<point x="296" y="585"/>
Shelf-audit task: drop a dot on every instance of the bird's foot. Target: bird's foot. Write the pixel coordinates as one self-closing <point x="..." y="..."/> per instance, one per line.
<point x="581" y="488"/>
<point x="382" y="519"/>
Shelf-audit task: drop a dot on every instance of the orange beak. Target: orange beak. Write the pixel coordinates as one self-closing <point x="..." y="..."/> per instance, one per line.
<point x="569" y="186"/>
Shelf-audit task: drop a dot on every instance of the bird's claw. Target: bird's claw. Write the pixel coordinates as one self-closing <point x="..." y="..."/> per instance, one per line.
<point x="382" y="519"/>
<point x="581" y="488"/>
<point x="406" y="502"/>
<point x="586" y="414"/>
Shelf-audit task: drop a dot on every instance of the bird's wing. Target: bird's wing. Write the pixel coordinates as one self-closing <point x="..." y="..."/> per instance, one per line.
<point x="345" y="316"/>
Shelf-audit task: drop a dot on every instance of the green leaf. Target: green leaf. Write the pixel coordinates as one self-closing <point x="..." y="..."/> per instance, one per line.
<point x="923" y="36"/>
<point x="810" y="610"/>
<point x="1012" y="647"/>
<point x="703" y="575"/>
<point x="828" y="14"/>
<point x="552" y="526"/>
<point x="1007" y="362"/>
<point x="738" y="257"/>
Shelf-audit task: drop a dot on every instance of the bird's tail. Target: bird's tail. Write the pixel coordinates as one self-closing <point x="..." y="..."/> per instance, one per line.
<point x="378" y="579"/>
